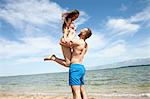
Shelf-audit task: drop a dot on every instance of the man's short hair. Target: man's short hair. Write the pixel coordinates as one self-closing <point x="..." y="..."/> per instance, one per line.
<point x="88" y="33"/>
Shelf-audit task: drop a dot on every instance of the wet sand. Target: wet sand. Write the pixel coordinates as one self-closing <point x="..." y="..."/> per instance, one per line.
<point x="69" y="96"/>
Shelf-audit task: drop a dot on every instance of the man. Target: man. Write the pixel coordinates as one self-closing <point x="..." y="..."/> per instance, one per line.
<point x="76" y="69"/>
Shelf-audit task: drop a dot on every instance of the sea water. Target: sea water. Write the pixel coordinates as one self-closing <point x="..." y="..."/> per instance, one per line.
<point x="128" y="80"/>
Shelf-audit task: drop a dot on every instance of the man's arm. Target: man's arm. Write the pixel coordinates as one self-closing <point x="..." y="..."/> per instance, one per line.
<point x="64" y="44"/>
<point x="75" y="42"/>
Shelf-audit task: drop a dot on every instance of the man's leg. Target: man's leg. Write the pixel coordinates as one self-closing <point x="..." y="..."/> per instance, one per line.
<point x="83" y="92"/>
<point x="58" y="60"/>
<point x="76" y="92"/>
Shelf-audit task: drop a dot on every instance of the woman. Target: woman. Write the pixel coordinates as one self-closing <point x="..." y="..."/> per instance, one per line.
<point x="69" y="31"/>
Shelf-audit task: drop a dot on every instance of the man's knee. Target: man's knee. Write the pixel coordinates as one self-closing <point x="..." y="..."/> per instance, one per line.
<point x="76" y="92"/>
<point x="82" y="88"/>
<point x="75" y="89"/>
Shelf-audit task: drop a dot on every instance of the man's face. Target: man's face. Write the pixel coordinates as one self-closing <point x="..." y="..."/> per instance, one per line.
<point x="82" y="32"/>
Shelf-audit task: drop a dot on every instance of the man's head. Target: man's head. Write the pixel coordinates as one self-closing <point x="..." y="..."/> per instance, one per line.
<point x="85" y="33"/>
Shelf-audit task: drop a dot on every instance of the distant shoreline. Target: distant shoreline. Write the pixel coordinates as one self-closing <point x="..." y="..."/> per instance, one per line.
<point x="124" y="67"/>
<point x="133" y="66"/>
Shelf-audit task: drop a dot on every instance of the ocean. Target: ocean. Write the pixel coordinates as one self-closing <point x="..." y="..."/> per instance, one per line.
<point x="128" y="80"/>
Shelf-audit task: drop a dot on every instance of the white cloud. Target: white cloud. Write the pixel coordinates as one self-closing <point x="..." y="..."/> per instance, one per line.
<point x="96" y="41"/>
<point x="135" y="52"/>
<point x="29" y="60"/>
<point x="82" y="18"/>
<point x="141" y="49"/>
<point x="120" y="50"/>
<point x="21" y="13"/>
<point x="139" y="52"/>
<point x="115" y="50"/>
<point x="37" y="12"/>
<point x="31" y="17"/>
<point x="28" y="47"/>
<point x="131" y="25"/>
<point x="109" y="50"/>
<point x="122" y="27"/>
<point x="142" y="16"/>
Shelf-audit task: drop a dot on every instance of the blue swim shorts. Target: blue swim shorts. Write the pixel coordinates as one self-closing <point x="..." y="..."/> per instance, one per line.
<point x="76" y="74"/>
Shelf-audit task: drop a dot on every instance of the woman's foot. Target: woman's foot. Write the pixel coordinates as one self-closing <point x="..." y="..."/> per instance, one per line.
<point x="53" y="57"/>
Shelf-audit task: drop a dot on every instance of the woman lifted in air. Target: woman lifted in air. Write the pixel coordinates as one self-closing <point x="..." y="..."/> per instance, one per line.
<point x="69" y="31"/>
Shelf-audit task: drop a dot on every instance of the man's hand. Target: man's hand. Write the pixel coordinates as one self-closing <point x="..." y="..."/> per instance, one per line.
<point x="74" y="42"/>
<point x="66" y="44"/>
<point x="63" y="40"/>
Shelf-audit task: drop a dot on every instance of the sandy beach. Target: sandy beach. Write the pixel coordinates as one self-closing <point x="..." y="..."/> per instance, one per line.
<point x="69" y="96"/>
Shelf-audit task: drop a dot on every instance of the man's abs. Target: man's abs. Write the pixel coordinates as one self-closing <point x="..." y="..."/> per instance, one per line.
<point x="77" y="59"/>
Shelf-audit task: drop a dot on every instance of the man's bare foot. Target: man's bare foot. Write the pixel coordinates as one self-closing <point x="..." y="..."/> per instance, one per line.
<point x="53" y="57"/>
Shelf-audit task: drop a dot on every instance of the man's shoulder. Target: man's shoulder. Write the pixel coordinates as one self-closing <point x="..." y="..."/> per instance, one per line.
<point x="77" y="40"/>
<point x="82" y="42"/>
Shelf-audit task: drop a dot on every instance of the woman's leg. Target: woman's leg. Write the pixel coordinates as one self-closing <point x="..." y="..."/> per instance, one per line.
<point x="67" y="54"/>
<point x="58" y="60"/>
<point x="66" y="51"/>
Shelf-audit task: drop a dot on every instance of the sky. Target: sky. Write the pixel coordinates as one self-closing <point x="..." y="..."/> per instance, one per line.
<point x="31" y="29"/>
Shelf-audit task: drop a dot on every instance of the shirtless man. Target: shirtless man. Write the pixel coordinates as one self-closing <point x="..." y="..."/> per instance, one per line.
<point x="76" y="69"/>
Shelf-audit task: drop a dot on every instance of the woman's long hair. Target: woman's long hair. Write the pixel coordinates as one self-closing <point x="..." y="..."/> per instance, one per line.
<point x="67" y="16"/>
